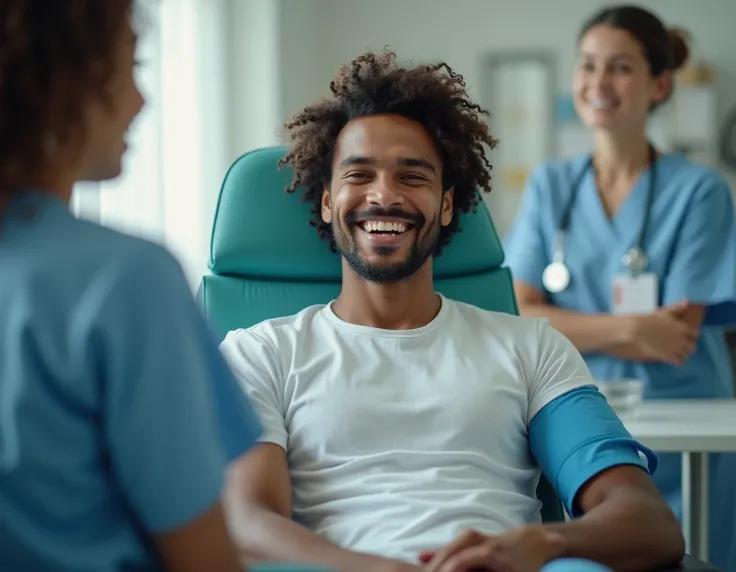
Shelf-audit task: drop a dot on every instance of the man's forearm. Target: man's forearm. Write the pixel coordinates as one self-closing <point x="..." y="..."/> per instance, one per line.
<point x="631" y="532"/>
<point x="271" y="537"/>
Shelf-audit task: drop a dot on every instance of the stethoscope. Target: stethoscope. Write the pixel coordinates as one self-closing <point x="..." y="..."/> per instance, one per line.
<point x="556" y="276"/>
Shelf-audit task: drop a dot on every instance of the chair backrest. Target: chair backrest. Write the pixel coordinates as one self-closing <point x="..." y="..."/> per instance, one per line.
<point x="267" y="261"/>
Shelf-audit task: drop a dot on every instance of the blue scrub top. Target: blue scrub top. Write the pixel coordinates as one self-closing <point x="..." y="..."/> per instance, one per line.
<point x="118" y="414"/>
<point x="690" y="241"/>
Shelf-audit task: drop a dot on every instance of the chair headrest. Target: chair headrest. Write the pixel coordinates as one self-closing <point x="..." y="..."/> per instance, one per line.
<point x="262" y="232"/>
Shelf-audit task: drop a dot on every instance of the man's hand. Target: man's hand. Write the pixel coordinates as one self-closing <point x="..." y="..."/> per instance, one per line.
<point x="525" y="549"/>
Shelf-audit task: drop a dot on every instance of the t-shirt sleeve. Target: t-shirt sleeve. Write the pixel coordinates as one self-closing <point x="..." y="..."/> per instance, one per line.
<point x="702" y="268"/>
<point x="256" y="365"/>
<point x="557" y="369"/>
<point x="172" y="413"/>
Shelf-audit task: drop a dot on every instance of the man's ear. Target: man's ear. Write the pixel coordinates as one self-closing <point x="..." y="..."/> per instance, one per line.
<point x="326" y="206"/>
<point x="447" y="202"/>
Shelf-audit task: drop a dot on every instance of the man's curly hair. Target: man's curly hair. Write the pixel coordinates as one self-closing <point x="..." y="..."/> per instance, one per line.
<point x="54" y="56"/>
<point x="433" y="95"/>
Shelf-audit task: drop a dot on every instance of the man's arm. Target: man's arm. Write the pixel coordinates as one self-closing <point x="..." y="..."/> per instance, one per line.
<point x="258" y="505"/>
<point x="625" y="526"/>
<point x="600" y="472"/>
<point x="625" y="523"/>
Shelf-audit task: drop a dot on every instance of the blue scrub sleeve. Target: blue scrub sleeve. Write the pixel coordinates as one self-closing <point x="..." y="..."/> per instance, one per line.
<point x="577" y="436"/>
<point x="525" y="251"/>
<point x="174" y="415"/>
<point x="703" y="265"/>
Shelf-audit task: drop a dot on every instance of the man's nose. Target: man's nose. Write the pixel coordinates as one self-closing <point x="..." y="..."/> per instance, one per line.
<point x="384" y="193"/>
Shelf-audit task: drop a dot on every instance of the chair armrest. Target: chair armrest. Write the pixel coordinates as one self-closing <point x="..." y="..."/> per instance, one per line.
<point x="691" y="564"/>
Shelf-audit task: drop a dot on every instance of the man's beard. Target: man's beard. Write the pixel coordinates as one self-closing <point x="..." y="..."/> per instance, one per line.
<point x="424" y="246"/>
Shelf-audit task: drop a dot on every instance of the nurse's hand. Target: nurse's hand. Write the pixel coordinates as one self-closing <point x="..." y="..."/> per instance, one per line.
<point x="664" y="335"/>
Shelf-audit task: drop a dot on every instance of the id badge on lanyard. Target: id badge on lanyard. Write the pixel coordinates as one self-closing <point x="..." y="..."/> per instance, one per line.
<point x="635" y="294"/>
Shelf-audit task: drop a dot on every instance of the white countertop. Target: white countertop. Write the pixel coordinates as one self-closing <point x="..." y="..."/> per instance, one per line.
<point x="703" y="425"/>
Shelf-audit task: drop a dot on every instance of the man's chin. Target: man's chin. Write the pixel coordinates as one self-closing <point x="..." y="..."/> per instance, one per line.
<point x="385" y="259"/>
<point x="384" y="256"/>
<point x="383" y="270"/>
<point x="384" y="264"/>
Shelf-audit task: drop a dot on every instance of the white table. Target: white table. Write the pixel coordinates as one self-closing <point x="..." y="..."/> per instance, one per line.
<point x="693" y="428"/>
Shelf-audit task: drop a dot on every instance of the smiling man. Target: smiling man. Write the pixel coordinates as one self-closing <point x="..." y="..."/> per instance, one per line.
<point x="405" y="430"/>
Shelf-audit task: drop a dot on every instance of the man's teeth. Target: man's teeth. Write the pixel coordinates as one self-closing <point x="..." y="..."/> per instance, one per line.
<point x="384" y="226"/>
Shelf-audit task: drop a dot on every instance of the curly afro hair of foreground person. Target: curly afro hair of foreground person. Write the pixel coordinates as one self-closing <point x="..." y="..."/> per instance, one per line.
<point x="54" y="56"/>
<point x="433" y="95"/>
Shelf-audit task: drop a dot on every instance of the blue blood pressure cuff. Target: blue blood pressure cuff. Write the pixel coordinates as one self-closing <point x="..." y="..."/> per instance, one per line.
<point x="578" y="435"/>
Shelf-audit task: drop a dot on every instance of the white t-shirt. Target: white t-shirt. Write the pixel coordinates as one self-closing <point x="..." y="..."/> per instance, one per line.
<point x="398" y="441"/>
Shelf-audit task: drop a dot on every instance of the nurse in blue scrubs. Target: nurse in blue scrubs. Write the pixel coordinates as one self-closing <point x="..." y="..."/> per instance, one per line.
<point x="117" y="414"/>
<point x="631" y="251"/>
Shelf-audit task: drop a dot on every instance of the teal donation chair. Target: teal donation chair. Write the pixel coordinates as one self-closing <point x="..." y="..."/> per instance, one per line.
<point x="267" y="261"/>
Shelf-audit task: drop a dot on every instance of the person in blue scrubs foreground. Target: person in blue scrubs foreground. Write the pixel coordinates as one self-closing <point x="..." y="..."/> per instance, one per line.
<point x="118" y="415"/>
<point x="670" y="332"/>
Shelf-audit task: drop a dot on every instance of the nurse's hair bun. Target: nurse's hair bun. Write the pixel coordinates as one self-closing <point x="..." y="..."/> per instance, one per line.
<point x="679" y="39"/>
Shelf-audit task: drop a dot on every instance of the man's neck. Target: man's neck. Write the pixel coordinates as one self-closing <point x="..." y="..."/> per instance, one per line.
<point x="405" y="305"/>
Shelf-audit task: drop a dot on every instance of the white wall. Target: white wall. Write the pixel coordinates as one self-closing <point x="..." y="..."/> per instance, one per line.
<point x="277" y="65"/>
<point x="255" y="56"/>
<point x="463" y="31"/>
<point x="315" y="36"/>
<point x="306" y="65"/>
